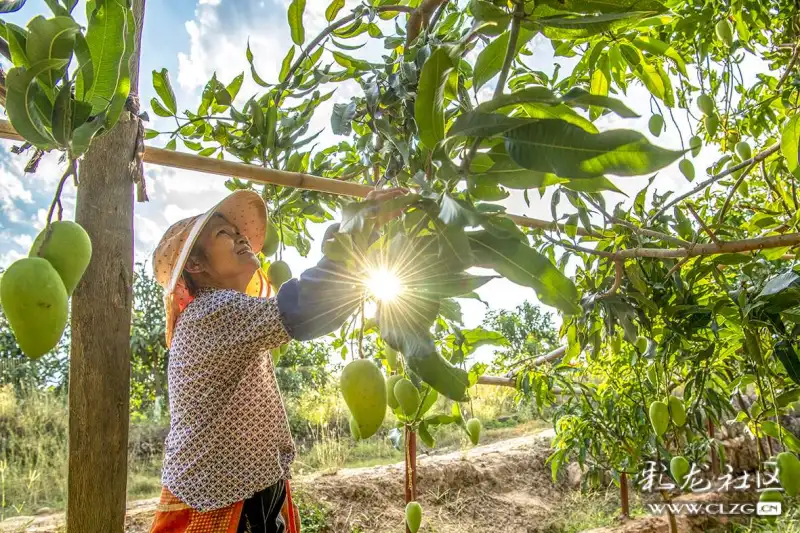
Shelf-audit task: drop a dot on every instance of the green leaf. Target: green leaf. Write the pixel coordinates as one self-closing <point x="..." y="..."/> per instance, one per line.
<point x="457" y="212"/>
<point x="569" y="152"/>
<point x="51" y="39"/>
<point x="286" y="65"/>
<point x="790" y="142"/>
<point x="172" y="144"/>
<point x="449" y="285"/>
<point x="478" y="124"/>
<point x="259" y="121"/>
<point x="342" y="118"/>
<point x="425" y="435"/>
<point x="17" y="43"/>
<point x="577" y="27"/>
<point x="83" y="135"/>
<point x="429" y="107"/>
<point x="531" y="94"/>
<point x="164" y="89"/>
<point x="781" y="433"/>
<point x="490" y="60"/>
<point x="110" y="40"/>
<point x="296" y="9"/>
<point x="253" y="72"/>
<point x="560" y="112"/>
<point x="591" y="185"/>
<point x="582" y="98"/>
<point x="484" y="11"/>
<point x="62" y="116"/>
<point x="234" y="86"/>
<point x="523" y="265"/>
<point x="656" y="47"/>
<point x="85" y="65"/>
<point x="22" y="112"/>
<point x="655" y="81"/>
<point x="9" y="6"/>
<point x="159" y="109"/>
<point x="486" y="189"/>
<point x="333" y="10"/>
<point x="603" y="6"/>
<point x="785" y="351"/>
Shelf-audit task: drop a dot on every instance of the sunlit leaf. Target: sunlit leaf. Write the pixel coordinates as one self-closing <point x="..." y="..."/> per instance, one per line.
<point x="603" y="6"/>
<point x="342" y="117"/>
<point x="333" y="10"/>
<point x="524" y="96"/>
<point x="569" y="152"/>
<point x="286" y="64"/>
<point x="654" y="46"/>
<point x="490" y="60"/>
<point x="22" y="111"/>
<point x="295" y="14"/>
<point x="83" y="135"/>
<point x="523" y="265"/>
<point x="9" y="6"/>
<point x="429" y="107"/>
<point x="163" y="88"/>
<point x="581" y="98"/>
<point x="790" y="142"/>
<point x="51" y="39"/>
<point x="576" y="26"/>
<point x="110" y="39"/>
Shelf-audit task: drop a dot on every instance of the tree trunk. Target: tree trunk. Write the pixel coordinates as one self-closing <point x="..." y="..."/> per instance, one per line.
<point x="99" y="388"/>
<point x="623" y="495"/>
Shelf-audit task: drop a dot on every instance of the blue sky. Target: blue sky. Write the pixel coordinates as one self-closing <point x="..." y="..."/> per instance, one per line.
<point x="195" y="38"/>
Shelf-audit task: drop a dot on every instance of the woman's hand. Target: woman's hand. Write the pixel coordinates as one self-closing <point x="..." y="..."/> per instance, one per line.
<point x="380" y="197"/>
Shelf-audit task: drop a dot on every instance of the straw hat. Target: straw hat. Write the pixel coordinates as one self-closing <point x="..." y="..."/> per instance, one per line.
<point x="245" y="210"/>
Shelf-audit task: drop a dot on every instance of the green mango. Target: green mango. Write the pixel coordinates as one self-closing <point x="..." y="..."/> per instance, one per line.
<point x="724" y="32"/>
<point x="677" y="411"/>
<point x="474" y="428"/>
<point x="354" y="431"/>
<point x="413" y="516"/>
<point x="789" y="473"/>
<point x="696" y="144"/>
<point x="390" y="397"/>
<point x="272" y="240"/>
<point x="687" y="169"/>
<point x="641" y="344"/>
<point x="743" y="150"/>
<point x="391" y="356"/>
<point x="35" y="303"/>
<point x="68" y="248"/>
<point x="407" y="396"/>
<point x="659" y="417"/>
<point x="679" y="468"/>
<point x="712" y="123"/>
<point x="364" y="391"/>
<point x="278" y="274"/>
<point x="705" y="104"/>
<point x="656" y="125"/>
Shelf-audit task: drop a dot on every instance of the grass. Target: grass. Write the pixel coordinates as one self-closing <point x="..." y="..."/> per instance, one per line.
<point x="33" y="442"/>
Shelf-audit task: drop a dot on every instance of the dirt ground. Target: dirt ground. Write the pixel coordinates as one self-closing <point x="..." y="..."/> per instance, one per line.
<point x="504" y="486"/>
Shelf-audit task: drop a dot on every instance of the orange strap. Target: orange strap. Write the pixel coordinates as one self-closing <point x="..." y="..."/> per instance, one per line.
<point x="290" y="512"/>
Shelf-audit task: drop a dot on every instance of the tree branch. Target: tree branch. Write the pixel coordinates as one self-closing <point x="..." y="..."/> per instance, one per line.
<point x="420" y="17"/>
<point x="636" y="229"/>
<point x="789" y="67"/>
<point x="327" y="31"/>
<point x="619" y="271"/>
<point x="727" y="247"/>
<point x="513" y="36"/>
<point x="727" y="203"/>
<point x="713" y="179"/>
<point x="703" y="224"/>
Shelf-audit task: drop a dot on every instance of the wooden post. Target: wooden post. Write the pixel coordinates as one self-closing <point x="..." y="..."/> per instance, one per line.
<point x="623" y="495"/>
<point x="99" y="376"/>
<point x="410" y="478"/>
<point x="714" y="461"/>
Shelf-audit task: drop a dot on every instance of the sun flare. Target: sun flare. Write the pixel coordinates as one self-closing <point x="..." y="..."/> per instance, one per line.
<point x="384" y="284"/>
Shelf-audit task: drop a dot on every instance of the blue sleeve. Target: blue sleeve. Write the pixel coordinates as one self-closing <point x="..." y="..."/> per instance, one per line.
<point x="320" y="301"/>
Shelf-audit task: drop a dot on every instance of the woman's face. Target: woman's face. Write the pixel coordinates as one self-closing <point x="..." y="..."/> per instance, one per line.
<point x="227" y="260"/>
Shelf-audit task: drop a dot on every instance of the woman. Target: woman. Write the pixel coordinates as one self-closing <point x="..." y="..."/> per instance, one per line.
<point x="229" y="450"/>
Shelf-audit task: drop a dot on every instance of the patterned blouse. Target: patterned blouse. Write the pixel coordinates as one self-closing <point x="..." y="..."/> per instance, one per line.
<point x="229" y="435"/>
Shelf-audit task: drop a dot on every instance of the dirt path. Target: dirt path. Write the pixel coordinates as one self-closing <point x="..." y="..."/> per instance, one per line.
<point x="503" y="486"/>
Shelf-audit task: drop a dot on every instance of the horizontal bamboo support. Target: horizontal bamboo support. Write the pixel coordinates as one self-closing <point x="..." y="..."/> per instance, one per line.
<point x="186" y="161"/>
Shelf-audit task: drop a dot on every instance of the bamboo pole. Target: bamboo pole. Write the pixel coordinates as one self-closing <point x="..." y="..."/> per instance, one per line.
<point x="186" y="161"/>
